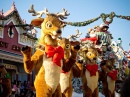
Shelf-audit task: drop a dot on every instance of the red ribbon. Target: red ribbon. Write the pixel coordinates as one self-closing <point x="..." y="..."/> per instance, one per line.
<point x="56" y="52"/>
<point x="112" y="74"/>
<point x="92" y="69"/>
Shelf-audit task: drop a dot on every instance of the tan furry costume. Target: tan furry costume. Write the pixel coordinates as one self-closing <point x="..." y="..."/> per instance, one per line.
<point x="5" y="82"/>
<point x="66" y="77"/>
<point x="47" y="61"/>
<point x="90" y="72"/>
<point x="108" y="77"/>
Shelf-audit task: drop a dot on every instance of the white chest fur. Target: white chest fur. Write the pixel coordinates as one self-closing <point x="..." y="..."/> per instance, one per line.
<point x="111" y="84"/>
<point x="52" y="73"/>
<point x="92" y="81"/>
<point x="64" y="81"/>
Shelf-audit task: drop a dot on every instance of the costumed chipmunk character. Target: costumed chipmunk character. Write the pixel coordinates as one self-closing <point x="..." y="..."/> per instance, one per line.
<point x="5" y="82"/>
<point x="108" y="77"/>
<point x="90" y="70"/>
<point x="48" y="60"/>
<point x="66" y="77"/>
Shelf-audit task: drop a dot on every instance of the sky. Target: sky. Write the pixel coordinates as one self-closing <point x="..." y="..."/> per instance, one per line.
<point x="80" y="10"/>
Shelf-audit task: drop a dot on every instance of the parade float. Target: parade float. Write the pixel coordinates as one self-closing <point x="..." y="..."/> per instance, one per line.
<point x="107" y="48"/>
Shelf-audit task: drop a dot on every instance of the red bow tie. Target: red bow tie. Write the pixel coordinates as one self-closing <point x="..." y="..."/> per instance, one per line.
<point x="57" y="54"/>
<point x="112" y="74"/>
<point x="92" y="69"/>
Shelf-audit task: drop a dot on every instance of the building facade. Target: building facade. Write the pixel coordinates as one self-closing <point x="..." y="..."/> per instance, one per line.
<point x="14" y="34"/>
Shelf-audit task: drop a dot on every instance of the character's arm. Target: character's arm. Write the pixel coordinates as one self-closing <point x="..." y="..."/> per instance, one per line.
<point x="102" y="75"/>
<point x="29" y="60"/>
<point x="77" y="69"/>
<point x="68" y="65"/>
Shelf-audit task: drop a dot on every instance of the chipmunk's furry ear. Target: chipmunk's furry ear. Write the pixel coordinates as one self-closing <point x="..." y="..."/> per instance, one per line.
<point x="37" y="22"/>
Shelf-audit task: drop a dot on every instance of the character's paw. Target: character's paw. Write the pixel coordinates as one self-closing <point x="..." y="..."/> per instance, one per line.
<point x="25" y="48"/>
<point x="76" y="47"/>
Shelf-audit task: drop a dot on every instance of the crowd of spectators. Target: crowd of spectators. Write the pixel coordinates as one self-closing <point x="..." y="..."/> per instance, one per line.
<point x="22" y="89"/>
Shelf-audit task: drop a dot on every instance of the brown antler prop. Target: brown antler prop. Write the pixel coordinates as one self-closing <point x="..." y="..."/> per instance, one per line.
<point x="63" y="14"/>
<point x="37" y="13"/>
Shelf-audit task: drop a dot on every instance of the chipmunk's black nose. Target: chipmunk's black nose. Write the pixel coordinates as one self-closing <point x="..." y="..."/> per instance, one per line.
<point x="58" y="31"/>
<point x="94" y="58"/>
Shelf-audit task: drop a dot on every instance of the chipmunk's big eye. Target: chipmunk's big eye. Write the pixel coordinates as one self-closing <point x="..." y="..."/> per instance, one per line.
<point x="48" y="24"/>
<point x="67" y="46"/>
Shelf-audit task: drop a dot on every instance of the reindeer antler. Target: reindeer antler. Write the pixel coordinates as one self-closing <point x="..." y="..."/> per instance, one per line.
<point x="73" y="37"/>
<point x="37" y="13"/>
<point x="63" y="14"/>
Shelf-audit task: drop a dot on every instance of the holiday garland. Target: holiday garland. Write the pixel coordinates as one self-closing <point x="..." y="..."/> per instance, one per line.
<point x="103" y="16"/>
<point x="30" y="36"/>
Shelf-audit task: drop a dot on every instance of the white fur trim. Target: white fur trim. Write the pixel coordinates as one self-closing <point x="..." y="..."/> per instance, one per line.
<point x="103" y="25"/>
<point x="54" y="37"/>
<point x="64" y="81"/>
<point x="52" y="73"/>
<point x="92" y="81"/>
<point x="54" y="33"/>
<point x="111" y="84"/>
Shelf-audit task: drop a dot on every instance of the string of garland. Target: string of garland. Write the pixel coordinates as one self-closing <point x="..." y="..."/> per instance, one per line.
<point x="30" y="36"/>
<point x="103" y="16"/>
<point x="82" y="23"/>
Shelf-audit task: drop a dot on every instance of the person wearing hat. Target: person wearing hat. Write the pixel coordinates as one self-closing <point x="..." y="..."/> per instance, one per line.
<point x="104" y="27"/>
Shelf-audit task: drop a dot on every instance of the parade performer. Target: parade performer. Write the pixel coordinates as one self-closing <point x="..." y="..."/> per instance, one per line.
<point x="90" y="69"/>
<point x="48" y="60"/>
<point x="76" y="70"/>
<point x="108" y="76"/>
<point x="5" y="82"/>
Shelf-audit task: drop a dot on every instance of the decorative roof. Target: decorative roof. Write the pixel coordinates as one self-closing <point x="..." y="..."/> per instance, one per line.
<point x="13" y="8"/>
<point x="14" y="11"/>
